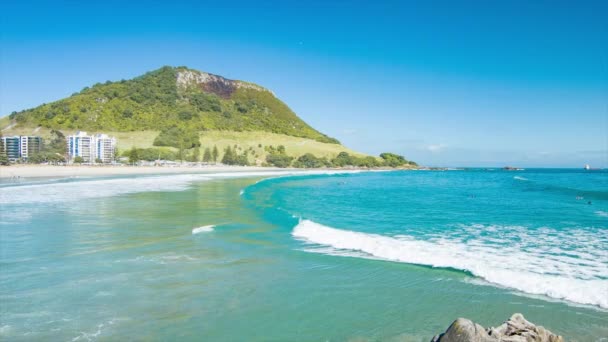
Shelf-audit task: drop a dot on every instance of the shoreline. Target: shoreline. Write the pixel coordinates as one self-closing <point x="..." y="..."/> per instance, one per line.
<point x="43" y="171"/>
<point x="46" y="171"/>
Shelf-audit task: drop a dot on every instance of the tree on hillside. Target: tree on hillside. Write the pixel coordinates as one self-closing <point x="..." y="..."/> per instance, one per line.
<point x="57" y="143"/>
<point x="196" y="154"/>
<point x="207" y="155"/>
<point x="229" y="156"/>
<point x="215" y="154"/>
<point x="133" y="155"/>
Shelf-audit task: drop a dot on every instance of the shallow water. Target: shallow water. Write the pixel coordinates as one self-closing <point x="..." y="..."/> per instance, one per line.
<point x="376" y="256"/>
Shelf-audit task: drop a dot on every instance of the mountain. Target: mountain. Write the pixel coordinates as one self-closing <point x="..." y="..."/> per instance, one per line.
<point x="171" y="97"/>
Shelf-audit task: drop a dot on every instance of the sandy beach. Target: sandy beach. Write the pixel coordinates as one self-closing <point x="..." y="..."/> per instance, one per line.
<point x="37" y="171"/>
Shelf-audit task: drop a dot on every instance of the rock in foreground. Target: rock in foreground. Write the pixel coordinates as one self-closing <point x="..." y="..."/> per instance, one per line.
<point x="516" y="329"/>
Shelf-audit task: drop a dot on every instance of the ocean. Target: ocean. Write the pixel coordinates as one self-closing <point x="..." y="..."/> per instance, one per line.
<point x="315" y="256"/>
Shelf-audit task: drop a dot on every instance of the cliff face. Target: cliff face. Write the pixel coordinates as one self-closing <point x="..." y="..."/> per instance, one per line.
<point x="214" y="84"/>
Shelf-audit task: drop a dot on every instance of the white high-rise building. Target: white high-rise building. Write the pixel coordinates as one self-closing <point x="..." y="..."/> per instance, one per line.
<point x="104" y="148"/>
<point x="90" y="148"/>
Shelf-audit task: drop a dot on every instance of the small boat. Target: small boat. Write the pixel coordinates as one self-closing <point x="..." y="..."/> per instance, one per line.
<point x="587" y="167"/>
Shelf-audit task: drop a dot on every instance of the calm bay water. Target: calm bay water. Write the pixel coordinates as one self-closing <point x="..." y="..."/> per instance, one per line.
<point x="387" y="256"/>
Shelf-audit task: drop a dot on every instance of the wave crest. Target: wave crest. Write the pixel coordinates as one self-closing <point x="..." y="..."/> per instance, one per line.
<point x="203" y="229"/>
<point x="556" y="277"/>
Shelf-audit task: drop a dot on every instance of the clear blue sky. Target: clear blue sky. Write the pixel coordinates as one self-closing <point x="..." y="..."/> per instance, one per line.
<point x="442" y="82"/>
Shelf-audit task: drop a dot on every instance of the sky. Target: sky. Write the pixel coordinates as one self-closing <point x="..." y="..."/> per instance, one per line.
<point x="444" y="83"/>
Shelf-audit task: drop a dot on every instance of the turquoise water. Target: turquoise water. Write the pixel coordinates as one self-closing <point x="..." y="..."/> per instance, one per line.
<point x="389" y="256"/>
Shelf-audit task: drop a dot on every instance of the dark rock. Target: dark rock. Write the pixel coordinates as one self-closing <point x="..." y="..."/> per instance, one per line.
<point x="516" y="329"/>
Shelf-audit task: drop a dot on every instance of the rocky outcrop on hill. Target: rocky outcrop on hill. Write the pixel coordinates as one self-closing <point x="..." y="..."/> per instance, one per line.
<point x="215" y="84"/>
<point x="516" y="329"/>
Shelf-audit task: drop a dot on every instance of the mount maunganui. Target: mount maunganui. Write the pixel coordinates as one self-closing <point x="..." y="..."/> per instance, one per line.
<point x="167" y="97"/>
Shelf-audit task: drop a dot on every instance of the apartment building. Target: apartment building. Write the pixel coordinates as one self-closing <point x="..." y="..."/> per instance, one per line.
<point x="91" y="147"/>
<point x="20" y="146"/>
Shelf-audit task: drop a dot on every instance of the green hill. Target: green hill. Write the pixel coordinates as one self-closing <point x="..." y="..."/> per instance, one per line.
<point x="179" y="114"/>
<point x="170" y="97"/>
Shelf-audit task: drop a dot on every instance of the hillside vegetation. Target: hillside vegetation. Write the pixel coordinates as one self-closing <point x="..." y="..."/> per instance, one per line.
<point x="171" y="97"/>
<point x="186" y="115"/>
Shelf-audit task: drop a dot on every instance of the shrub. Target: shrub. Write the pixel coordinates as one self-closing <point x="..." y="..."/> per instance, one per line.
<point x="343" y="159"/>
<point x="310" y="161"/>
<point x="393" y="160"/>
<point x="279" y="160"/>
<point x="177" y="137"/>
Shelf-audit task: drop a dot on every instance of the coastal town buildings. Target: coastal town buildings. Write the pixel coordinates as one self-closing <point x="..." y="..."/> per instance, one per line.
<point x="104" y="148"/>
<point x="91" y="148"/>
<point x="29" y="145"/>
<point x="20" y="146"/>
<point x="80" y="145"/>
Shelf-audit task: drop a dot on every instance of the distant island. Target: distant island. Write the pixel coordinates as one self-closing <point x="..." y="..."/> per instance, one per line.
<point x="186" y="115"/>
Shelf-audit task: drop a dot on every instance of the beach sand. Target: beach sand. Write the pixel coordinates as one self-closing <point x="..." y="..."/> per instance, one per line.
<point x="37" y="171"/>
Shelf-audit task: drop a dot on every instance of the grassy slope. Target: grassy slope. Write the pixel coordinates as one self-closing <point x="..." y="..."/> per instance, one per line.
<point x="294" y="146"/>
<point x="143" y="139"/>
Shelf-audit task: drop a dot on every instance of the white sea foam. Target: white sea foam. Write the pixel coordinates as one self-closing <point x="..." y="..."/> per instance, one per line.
<point x="579" y="276"/>
<point x="203" y="229"/>
<point x="520" y="178"/>
<point x="84" y="189"/>
<point x="601" y="213"/>
<point x="97" y="331"/>
<point x="5" y="329"/>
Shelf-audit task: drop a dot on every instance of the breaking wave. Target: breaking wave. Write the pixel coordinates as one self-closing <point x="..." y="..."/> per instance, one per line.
<point x="579" y="276"/>
<point x="203" y="229"/>
<point x="82" y="189"/>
